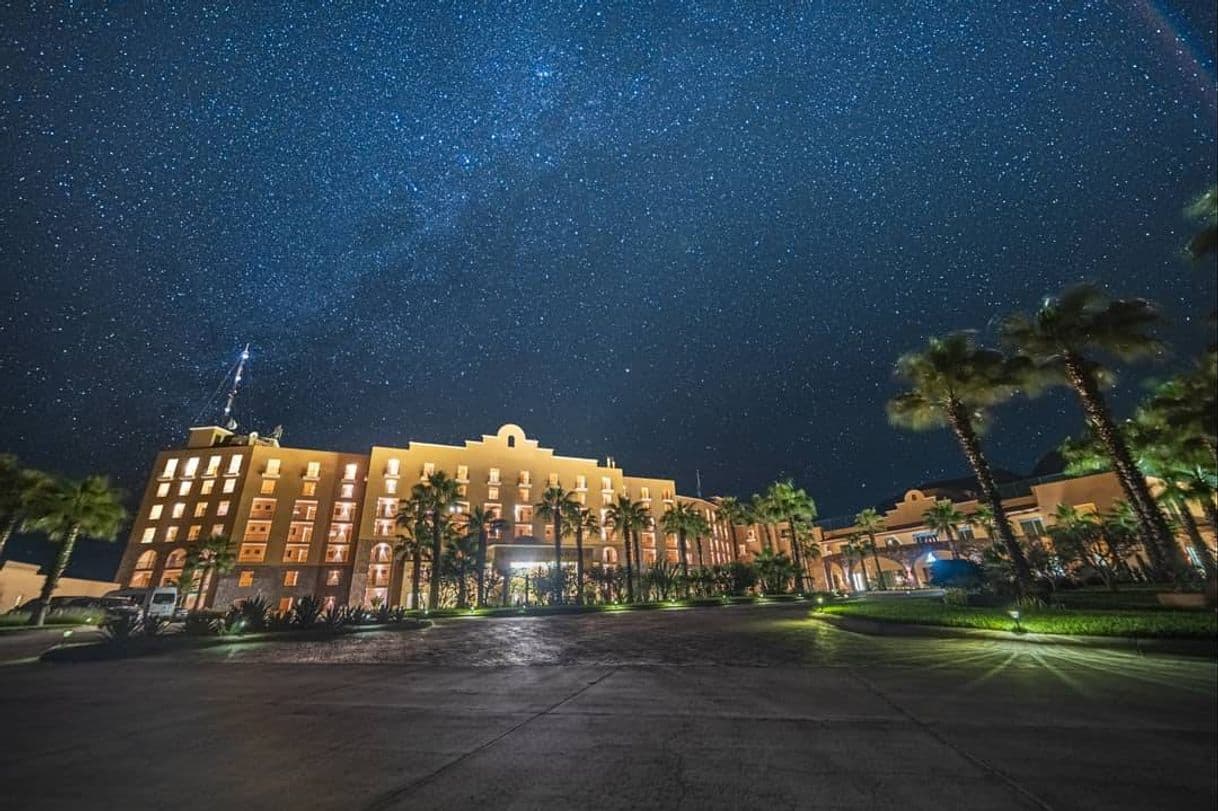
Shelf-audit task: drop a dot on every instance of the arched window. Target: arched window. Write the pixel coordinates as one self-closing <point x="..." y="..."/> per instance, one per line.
<point x="610" y="555"/>
<point x="146" y="560"/>
<point x="511" y="440"/>
<point x="176" y="559"/>
<point x="381" y="553"/>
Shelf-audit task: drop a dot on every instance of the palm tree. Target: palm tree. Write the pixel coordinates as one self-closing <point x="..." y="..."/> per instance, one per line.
<point x="983" y="517"/>
<point x="855" y="550"/>
<point x="677" y="521"/>
<point x="954" y="382"/>
<point x="1058" y="339"/>
<point x="774" y="569"/>
<point x="1205" y="210"/>
<point x="582" y="520"/>
<point x="733" y="512"/>
<point x="1177" y="492"/>
<point x="553" y="503"/>
<point x="17" y="483"/>
<point x="460" y="555"/>
<point x="795" y="505"/>
<point x="699" y="528"/>
<point x="944" y="518"/>
<point x="625" y="516"/>
<point x="762" y="511"/>
<point x="870" y="523"/>
<point x="413" y="539"/>
<point x="213" y="554"/>
<point x="482" y="523"/>
<point x="66" y="510"/>
<point x="437" y="497"/>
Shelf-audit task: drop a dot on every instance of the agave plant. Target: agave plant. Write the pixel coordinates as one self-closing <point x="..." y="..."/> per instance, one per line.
<point x="121" y="627"/>
<point x="256" y="612"/>
<point x="307" y="612"/>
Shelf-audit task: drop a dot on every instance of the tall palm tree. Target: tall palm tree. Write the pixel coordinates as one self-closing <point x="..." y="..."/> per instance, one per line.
<point x="698" y="528"/>
<point x="733" y="512"/>
<point x="413" y="539"/>
<point x="66" y="510"/>
<point x="795" y="506"/>
<point x="1060" y="339"/>
<point x="944" y="518"/>
<point x="855" y="550"/>
<point x="482" y="524"/>
<point x="554" y="501"/>
<point x="1176" y="493"/>
<point x="677" y="521"/>
<point x="460" y="555"/>
<point x="213" y="554"/>
<point x="954" y="382"/>
<point x="1205" y="210"/>
<point x="624" y="516"/>
<point x="437" y="498"/>
<point x="17" y="484"/>
<point x="582" y="521"/>
<point x="762" y="511"/>
<point x="871" y="523"/>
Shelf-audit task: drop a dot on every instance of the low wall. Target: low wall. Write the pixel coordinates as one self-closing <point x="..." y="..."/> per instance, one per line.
<point x="20" y="582"/>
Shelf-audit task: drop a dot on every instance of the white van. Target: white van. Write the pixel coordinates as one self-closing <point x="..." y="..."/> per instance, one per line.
<point x="159" y="602"/>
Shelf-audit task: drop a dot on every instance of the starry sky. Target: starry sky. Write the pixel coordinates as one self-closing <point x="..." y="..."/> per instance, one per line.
<point x="693" y="236"/>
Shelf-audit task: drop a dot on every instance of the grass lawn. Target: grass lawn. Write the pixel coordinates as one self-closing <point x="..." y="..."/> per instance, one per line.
<point x="1146" y="624"/>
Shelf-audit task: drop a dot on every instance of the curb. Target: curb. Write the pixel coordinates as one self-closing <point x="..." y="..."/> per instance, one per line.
<point x="1206" y="648"/>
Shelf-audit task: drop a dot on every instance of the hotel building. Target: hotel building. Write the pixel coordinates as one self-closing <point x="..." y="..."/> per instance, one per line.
<point x="323" y="523"/>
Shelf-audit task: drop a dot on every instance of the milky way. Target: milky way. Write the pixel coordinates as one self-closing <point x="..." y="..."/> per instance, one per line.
<point x="691" y="237"/>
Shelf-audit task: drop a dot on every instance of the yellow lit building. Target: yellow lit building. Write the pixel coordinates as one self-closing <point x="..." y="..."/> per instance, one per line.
<point x="322" y="523"/>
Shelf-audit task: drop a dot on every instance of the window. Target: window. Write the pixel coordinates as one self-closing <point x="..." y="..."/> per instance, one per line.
<point x="523" y="529"/>
<point x="171" y="534"/>
<point x="553" y="480"/>
<point x="340" y="533"/>
<point x="154" y="514"/>
<point x="207" y="486"/>
<point x="524" y="513"/>
<point x="344" y="511"/>
<point x="230" y="485"/>
<point x="184" y="488"/>
<point x="268" y="487"/>
<point x="382" y="527"/>
<point x="462" y="473"/>
<point x="386" y="507"/>
<point x="252" y="552"/>
<point x="201" y="509"/>
<point x="285" y="604"/>
<point x="965" y="533"/>
<point x="606" y="484"/>
<point x="334" y="577"/>
<point x="645" y="493"/>
<point x="428" y="469"/>
<point x="300" y="532"/>
<point x="194" y="532"/>
<point x="147" y="560"/>
<point x="258" y="531"/>
<point x="262" y="508"/>
<point x="381" y="553"/>
<point x="290" y="577"/>
<point x="522" y="494"/>
<point x="1032" y="528"/>
<point x="217" y="529"/>
<point x="171" y="467"/>
<point x="349" y="472"/>
<point x="308" y="489"/>
<point x="246" y="578"/>
<point x="191" y="468"/>
<point x="926" y="537"/>
<point x="234" y="465"/>
<point x="295" y="553"/>
<point x="179" y="509"/>
<point x="272" y="467"/>
<point x="581" y="482"/>
<point x="313" y="470"/>
<point x="304" y="510"/>
<point x="391" y="486"/>
<point x="148" y="534"/>
<point x="494" y="476"/>
<point x="336" y="553"/>
<point x="526" y="478"/>
<point x="162" y="490"/>
<point x="549" y="533"/>
<point x="213" y="466"/>
<point x="393" y="466"/>
<point x="492" y="493"/>
<point x="347" y="491"/>
<point x="222" y="509"/>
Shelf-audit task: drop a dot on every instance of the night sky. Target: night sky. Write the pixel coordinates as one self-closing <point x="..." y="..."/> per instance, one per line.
<point x="691" y="237"/>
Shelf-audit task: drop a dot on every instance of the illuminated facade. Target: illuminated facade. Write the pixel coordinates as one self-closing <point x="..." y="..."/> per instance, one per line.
<point x="322" y="523"/>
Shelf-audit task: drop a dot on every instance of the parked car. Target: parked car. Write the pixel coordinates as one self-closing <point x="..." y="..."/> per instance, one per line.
<point x="157" y="602"/>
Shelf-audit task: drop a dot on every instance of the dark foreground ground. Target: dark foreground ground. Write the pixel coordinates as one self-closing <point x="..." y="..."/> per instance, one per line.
<point x="749" y="707"/>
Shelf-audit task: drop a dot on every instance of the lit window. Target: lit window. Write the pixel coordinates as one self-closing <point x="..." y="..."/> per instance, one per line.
<point x="290" y="577"/>
<point x="494" y="477"/>
<point x="207" y="487"/>
<point x="429" y="468"/>
<point x="162" y="490"/>
<point x="194" y="532"/>
<point x="581" y="482"/>
<point x="296" y="553"/>
<point x="523" y="530"/>
<point x="606" y="483"/>
<point x="340" y="533"/>
<point x="492" y="493"/>
<point x="234" y="465"/>
<point x="154" y="514"/>
<point x="252" y="552"/>
<point x="308" y="489"/>
<point x="171" y="466"/>
<point x="300" y="532"/>
<point x="333" y="577"/>
<point x="258" y="531"/>
<point x="184" y="488"/>
<point x="179" y="509"/>
<point x="336" y="554"/>
<point x="268" y="487"/>
<point x="272" y="467"/>
<point x="171" y="534"/>
<point x="526" y="477"/>
<point x="285" y="604"/>
<point x="246" y="578"/>
<point x="201" y="509"/>
<point x="148" y="535"/>
<point x="393" y="466"/>
<point x="383" y="527"/>
<point x="347" y="491"/>
<point x="462" y="473"/>
<point x="391" y="486"/>
<point x="553" y="480"/>
<point x="262" y="508"/>
<point x="191" y="468"/>
<point x="344" y="511"/>
<point x="213" y="466"/>
<point x="313" y="470"/>
<point x="222" y="509"/>
<point x="349" y="472"/>
<point x="386" y="507"/>
<point x="230" y="485"/>
<point x="217" y="529"/>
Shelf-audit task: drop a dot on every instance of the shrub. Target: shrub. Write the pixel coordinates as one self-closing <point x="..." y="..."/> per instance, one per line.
<point x="334" y="617"/>
<point x="255" y="611"/>
<point x="307" y="612"/>
<point x="121" y="627"/>
<point x="957" y="573"/>
<point x="955" y="597"/>
<point x="201" y="623"/>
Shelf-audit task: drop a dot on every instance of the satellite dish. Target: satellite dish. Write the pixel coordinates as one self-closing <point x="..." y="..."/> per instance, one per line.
<point x="231" y="424"/>
<point x="277" y="433"/>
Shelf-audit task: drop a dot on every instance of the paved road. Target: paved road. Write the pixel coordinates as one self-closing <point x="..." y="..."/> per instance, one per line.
<point x="29" y="644"/>
<point x="750" y="707"/>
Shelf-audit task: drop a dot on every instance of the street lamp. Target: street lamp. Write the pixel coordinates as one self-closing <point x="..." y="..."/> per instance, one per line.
<point x="1015" y="614"/>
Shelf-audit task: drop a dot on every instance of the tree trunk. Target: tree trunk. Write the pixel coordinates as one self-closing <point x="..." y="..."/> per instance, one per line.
<point x="1211" y="513"/>
<point x="879" y="572"/>
<point x="462" y="586"/>
<point x="797" y="556"/>
<point x="9" y="528"/>
<point x="480" y="574"/>
<point x="559" y="597"/>
<point x="962" y="426"/>
<point x="698" y="546"/>
<point x="629" y="568"/>
<point x="735" y="542"/>
<point x="1156" y="535"/>
<point x="1195" y="540"/>
<point x="416" y="575"/>
<point x="433" y="580"/>
<point x="53" y="575"/>
<point x="866" y="578"/>
<point x="681" y="550"/>
<point x="579" y="562"/>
